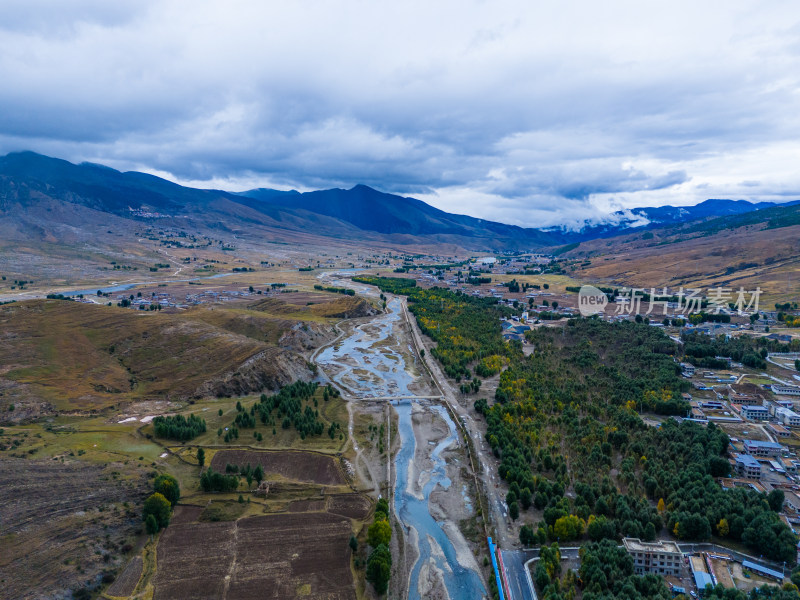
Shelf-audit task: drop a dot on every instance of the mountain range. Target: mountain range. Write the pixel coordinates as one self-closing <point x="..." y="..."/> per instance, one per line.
<point x="40" y="195"/>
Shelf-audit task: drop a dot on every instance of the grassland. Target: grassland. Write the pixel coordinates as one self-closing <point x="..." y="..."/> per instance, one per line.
<point x="334" y="410"/>
<point x="314" y="306"/>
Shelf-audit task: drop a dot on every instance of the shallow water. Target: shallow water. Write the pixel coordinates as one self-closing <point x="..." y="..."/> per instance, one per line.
<point x="127" y="286"/>
<point x="461" y="583"/>
<point x="364" y="365"/>
<point x="370" y="368"/>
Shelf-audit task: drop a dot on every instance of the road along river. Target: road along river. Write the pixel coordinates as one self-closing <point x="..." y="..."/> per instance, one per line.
<point x="375" y="360"/>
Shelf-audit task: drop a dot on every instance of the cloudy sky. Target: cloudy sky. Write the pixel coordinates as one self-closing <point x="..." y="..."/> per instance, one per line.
<point x="529" y="112"/>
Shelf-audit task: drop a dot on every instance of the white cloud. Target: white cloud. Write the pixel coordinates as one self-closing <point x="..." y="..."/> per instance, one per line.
<point x="532" y="113"/>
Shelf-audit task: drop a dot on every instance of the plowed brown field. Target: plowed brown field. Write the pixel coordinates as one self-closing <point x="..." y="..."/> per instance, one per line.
<point x="307" y="467"/>
<point x="274" y="557"/>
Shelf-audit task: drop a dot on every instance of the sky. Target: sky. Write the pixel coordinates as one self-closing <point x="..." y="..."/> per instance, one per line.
<point x="528" y="112"/>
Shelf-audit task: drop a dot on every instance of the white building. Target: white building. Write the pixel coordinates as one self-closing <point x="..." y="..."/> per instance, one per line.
<point x="755" y="413"/>
<point x="787" y="416"/>
<point x="759" y="448"/>
<point x="748" y="467"/>
<point x="661" y="558"/>
<point x="786" y="390"/>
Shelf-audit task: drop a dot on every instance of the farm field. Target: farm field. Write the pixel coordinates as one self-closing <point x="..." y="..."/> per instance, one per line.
<point x="125" y="584"/>
<point x="275" y="556"/>
<point x="274" y="547"/>
<point x="83" y="384"/>
<point x="305" y="467"/>
<point x="64" y="524"/>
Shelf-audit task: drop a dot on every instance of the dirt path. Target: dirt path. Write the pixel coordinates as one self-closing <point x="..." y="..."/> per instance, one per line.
<point x="360" y="461"/>
<point x="232" y="568"/>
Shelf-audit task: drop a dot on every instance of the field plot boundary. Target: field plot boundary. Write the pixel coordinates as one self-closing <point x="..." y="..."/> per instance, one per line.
<point x="125" y="581"/>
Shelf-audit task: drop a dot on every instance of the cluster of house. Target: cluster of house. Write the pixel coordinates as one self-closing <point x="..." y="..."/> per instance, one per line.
<point x="747" y="465"/>
<point x="162" y="299"/>
<point x="747" y="403"/>
<point x="166" y="300"/>
<point x="214" y="296"/>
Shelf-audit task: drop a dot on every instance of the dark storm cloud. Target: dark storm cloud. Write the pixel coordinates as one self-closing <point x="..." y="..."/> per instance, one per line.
<point x="534" y="114"/>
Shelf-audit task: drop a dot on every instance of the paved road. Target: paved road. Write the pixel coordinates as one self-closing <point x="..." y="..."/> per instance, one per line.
<point x="514" y="561"/>
<point x="388" y="398"/>
<point x="517" y="562"/>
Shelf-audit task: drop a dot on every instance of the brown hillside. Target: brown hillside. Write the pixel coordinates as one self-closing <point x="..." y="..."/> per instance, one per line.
<point x="61" y="355"/>
<point x="305" y="305"/>
<point x="750" y="257"/>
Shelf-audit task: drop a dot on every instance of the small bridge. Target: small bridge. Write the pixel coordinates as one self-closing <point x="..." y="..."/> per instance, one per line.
<point x="390" y="398"/>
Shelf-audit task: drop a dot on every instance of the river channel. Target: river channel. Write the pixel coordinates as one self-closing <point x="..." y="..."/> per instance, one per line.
<point x="368" y="363"/>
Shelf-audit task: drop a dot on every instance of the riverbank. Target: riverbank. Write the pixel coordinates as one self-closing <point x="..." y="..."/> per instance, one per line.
<point x="375" y="358"/>
<point x="450" y="502"/>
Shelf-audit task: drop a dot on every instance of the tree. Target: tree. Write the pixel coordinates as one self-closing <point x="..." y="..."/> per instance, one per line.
<point x="382" y="508"/>
<point x="542" y="576"/>
<point x="211" y="481"/>
<point x="527" y="537"/>
<point x="158" y="507"/>
<point x="661" y="505"/>
<point x="258" y="474"/>
<point x="525" y="498"/>
<point x="201" y="457"/>
<point x="380" y="532"/>
<point x="151" y="525"/>
<point x="723" y="528"/>
<point x="600" y="528"/>
<point x="179" y="427"/>
<point x="168" y="487"/>
<point x="775" y="500"/>
<point x="353" y="543"/>
<point x="569" y="527"/>
<point x="797" y="364"/>
<point x="379" y="568"/>
<point x="513" y="510"/>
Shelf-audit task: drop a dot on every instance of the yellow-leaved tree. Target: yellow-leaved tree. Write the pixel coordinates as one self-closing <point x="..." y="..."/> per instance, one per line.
<point x="723" y="528"/>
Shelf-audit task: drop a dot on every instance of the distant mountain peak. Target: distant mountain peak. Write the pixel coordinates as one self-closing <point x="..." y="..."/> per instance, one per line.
<point x="360" y="212"/>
